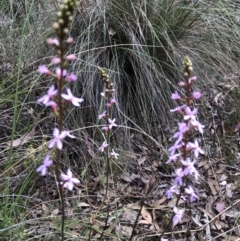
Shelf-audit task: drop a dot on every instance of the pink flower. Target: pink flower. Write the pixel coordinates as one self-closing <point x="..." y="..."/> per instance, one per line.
<point x="181" y="84"/>
<point x="53" y="104"/>
<point x="190" y="114"/>
<point x="114" y="154"/>
<point x="46" y="164"/>
<point x="105" y="128"/>
<point x="189" y="165"/>
<point x="111" y="123"/>
<point x="52" y="41"/>
<point x="69" y="40"/>
<point x="58" y="72"/>
<point x="55" y="60"/>
<point x="71" y="57"/>
<point x="179" y="175"/>
<point x="103" y="146"/>
<point x="173" y="190"/>
<point x="50" y="94"/>
<point x="176" y="96"/>
<point x="183" y="128"/>
<point x="173" y="158"/>
<point x="189" y="168"/>
<point x="196" y="95"/>
<point x="197" y="125"/>
<point x="191" y="79"/>
<point x="193" y="195"/>
<point x="71" y="98"/>
<point x="195" y="147"/>
<point x="42" y="69"/>
<point x="58" y="137"/>
<point x="175" y="147"/>
<point x="69" y="180"/>
<point x="102" y="115"/>
<point x="71" y="77"/>
<point x="178" y="108"/>
<point x="112" y="101"/>
<point x="178" y="216"/>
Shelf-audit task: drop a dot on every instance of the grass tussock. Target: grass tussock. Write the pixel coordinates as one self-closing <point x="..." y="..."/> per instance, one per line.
<point x="141" y="44"/>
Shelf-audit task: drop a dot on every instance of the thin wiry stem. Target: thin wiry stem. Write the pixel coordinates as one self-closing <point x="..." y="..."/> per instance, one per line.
<point x="60" y="125"/>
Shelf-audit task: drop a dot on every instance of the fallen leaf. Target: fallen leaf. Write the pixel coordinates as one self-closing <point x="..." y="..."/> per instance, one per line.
<point x="144" y="149"/>
<point x="217" y="97"/>
<point x="124" y="230"/>
<point x="129" y="178"/>
<point x="149" y="185"/>
<point x="172" y="202"/>
<point x="186" y="217"/>
<point x="55" y="211"/>
<point x="143" y="222"/>
<point x="212" y="183"/>
<point x="209" y="207"/>
<point x="231" y="238"/>
<point x="232" y="213"/>
<point x="141" y="160"/>
<point x="221" y="168"/>
<point x="229" y="190"/>
<point x="131" y="155"/>
<point x="223" y="177"/>
<point x="83" y="204"/>
<point x="159" y="202"/>
<point x="45" y="208"/>
<point x="155" y="222"/>
<point x="146" y="215"/>
<point x="134" y="206"/>
<point x="129" y="215"/>
<point x="25" y="138"/>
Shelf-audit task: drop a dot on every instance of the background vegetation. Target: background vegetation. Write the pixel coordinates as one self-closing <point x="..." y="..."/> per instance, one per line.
<point x="141" y="44"/>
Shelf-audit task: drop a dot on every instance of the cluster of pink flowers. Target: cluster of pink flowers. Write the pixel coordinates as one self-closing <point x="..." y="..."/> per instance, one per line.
<point x="51" y="98"/>
<point x="184" y="153"/>
<point x="110" y="101"/>
<point x="59" y="99"/>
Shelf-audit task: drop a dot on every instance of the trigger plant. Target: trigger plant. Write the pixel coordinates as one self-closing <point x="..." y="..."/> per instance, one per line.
<point x="59" y="97"/>
<point x="106" y="116"/>
<point x="184" y="153"/>
<point x="108" y="124"/>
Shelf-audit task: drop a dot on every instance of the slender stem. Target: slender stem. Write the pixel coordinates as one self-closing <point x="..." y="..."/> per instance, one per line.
<point x="105" y="196"/>
<point x="139" y="212"/>
<point x="106" y="192"/>
<point x="60" y="126"/>
<point x="60" y="193"/>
